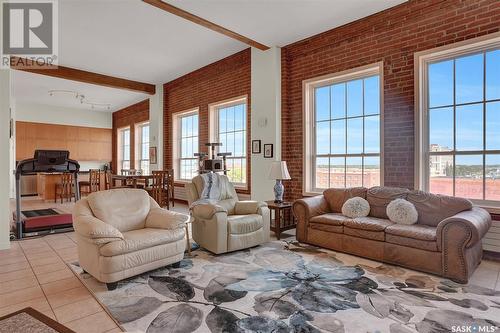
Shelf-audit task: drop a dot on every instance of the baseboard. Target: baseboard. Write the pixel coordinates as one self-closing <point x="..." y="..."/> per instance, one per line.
<point x="4" y="245"/>
<point x="491" y="255"/>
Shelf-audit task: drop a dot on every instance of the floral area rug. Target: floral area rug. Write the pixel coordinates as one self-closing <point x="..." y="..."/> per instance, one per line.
<point x="289" y="287"/>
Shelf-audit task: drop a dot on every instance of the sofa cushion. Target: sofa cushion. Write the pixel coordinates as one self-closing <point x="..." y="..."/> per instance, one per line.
<point x="433" y="208"/>
<point x="367" y="234"/>
<point x="412" y="242"/>
<point x="330" y="219"/>
<point x="136" y="240"/>
<point x="339" y="229"/>
<point x="244" y="224"/>
<point x="125" y="209"/>
<point x="380" y="196"/>
<point x="415" y="231"/>
<point x="336" y="197"/>
<point x="368" y="223"/>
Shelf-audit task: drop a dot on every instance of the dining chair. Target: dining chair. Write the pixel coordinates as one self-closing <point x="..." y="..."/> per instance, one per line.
<point x="64" y="189"/>
<point x="159" y="188"/>
<point x="93" y="184"/>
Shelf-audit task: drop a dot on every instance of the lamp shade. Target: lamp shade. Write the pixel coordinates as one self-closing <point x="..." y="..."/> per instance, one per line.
<point x="279" y="170"/>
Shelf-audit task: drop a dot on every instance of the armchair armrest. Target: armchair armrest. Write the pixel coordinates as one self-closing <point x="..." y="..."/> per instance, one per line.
<point x="248" y="207"/>
<point x="475" y="223"/>
<point x="164" y="219"/>
<point x="306" y="208"/>
<point x="207" y="211"/>
<point x="90" y="227"/>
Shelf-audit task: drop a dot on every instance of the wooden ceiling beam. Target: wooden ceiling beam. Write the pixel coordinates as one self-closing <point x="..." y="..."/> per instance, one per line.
<point x="62" y="72"/>
<point x="205" y="23"/>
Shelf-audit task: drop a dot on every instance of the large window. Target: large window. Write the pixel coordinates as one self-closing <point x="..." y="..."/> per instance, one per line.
<point x="343" y="130"/>
<point x="142" y="131"/>
<point x="229" y="122"/>
<point x="186" y="144"/>
<point x="460" y="100"/>
<point x="124" y="148"/>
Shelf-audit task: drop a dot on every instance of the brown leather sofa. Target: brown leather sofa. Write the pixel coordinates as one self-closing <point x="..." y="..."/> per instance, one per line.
<point x="446" y="240"/>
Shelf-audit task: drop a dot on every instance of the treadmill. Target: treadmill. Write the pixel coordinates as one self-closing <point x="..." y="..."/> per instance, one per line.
<point x="48" y="161"/>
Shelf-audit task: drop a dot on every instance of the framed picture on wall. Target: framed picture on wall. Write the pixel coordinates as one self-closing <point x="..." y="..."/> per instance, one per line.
<point x="268" y="150"/>
<point x="152" y="156"/>
<point x="256" y="147"/>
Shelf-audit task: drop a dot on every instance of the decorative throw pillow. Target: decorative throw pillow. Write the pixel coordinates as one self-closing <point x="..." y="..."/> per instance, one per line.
<point x="356" y="207"/>
<point x="402" y="211"/>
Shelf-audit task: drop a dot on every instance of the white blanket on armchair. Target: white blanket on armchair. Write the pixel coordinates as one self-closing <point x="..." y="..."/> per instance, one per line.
<point x="213" y="190"/>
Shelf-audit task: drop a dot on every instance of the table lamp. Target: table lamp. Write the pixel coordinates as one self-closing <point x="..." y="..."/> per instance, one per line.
<point x="279" y="171"/>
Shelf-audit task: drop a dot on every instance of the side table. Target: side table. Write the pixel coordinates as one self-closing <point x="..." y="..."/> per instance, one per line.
<point x="283" y="217"/>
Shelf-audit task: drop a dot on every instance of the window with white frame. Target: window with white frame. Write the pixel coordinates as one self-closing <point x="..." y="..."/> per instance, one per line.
<point x="343" y="130"/>
<point x="229" y="127"/>
<point x="186" y="144"/>
<point x="459" y="98"/>
<point x="124" y="148"/>
<point x="142" y="132"/>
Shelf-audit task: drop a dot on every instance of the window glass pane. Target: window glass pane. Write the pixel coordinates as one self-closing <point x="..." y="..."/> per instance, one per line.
<point x="493" y="75"/>
<point x="184" y="152"/>
<point x="441" y="174"/>
<point x="222" y="121"/>
<point x="372" y="95"/>
<point x="469" y="134"/>
<point x="338" y="137"/>
<point x="469" y="79"/>
<point x="493" y="126"/>
<point x="238" y="144"/>
<point x="441" y="129"/>
<point x="441" y="83"/>
<point x="354" y="98"/>
<point x="322" y="172"/>
<point x="230" y="119"/>
<point x="469" y="176"/>
<point x="492" y="175"/>
<point x="230" y="142"/>
<point x="354" y="174"/>
<point x="337" y="172"/>
<point x="223" y="141"/>
<point x="196" y="147"/>
<point x="195" y="124"/>
<point x="338" y="100"/>
<point x="322" y="103"/>
<point x="355" y="136"/>
<point x="323" y="138"/>
<point x="240" y="117"/>
<point x="371" y="171"/>
<point x="184" y="126"/>
<point x="372" y="134"/>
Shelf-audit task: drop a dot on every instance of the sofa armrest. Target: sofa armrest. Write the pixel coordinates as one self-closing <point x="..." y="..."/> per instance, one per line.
<point x="475" y="223"/>
<point x="160" y="218"/>
<point x="92" y="228"/>
<point x="248" y="207"/>
<point x="304" y="209"/>
<point x="207" y="211"/>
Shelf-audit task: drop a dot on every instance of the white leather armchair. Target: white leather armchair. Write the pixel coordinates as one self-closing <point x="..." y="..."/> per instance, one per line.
<point x="230" y="224"/>
<point x="123" y="232"/>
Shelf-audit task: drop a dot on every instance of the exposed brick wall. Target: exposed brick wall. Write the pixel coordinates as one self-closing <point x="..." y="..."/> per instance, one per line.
<point x="219" y="81"/>
<point x="391" y="36"/>
<point x="129" y="116"/>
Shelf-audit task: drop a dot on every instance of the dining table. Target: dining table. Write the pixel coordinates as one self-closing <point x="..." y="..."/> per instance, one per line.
<point x="131" y="179"/>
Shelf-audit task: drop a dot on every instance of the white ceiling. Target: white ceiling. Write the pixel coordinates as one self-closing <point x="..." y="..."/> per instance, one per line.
<point x="133" y="40"/>
<point x="31" y="88"/>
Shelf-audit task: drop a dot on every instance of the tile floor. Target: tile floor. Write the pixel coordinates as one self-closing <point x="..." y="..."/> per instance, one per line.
<point x="33" y="272"/>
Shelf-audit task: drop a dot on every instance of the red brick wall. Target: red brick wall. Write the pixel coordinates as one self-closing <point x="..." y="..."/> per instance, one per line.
<point x="219" y="81"/>
<point x="391" y="36"/>
<point x="129" y="116"/>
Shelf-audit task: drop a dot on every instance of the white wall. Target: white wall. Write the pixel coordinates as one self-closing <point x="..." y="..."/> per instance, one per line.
<point x="266" y="117"/>
<point x="12" y="144"/>
<point x="5" y="91"/>
<point x="39" y="113"/>
<point x="156" y="125"/>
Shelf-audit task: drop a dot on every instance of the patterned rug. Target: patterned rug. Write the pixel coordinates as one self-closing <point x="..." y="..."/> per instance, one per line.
<point x="289" y="287"/>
